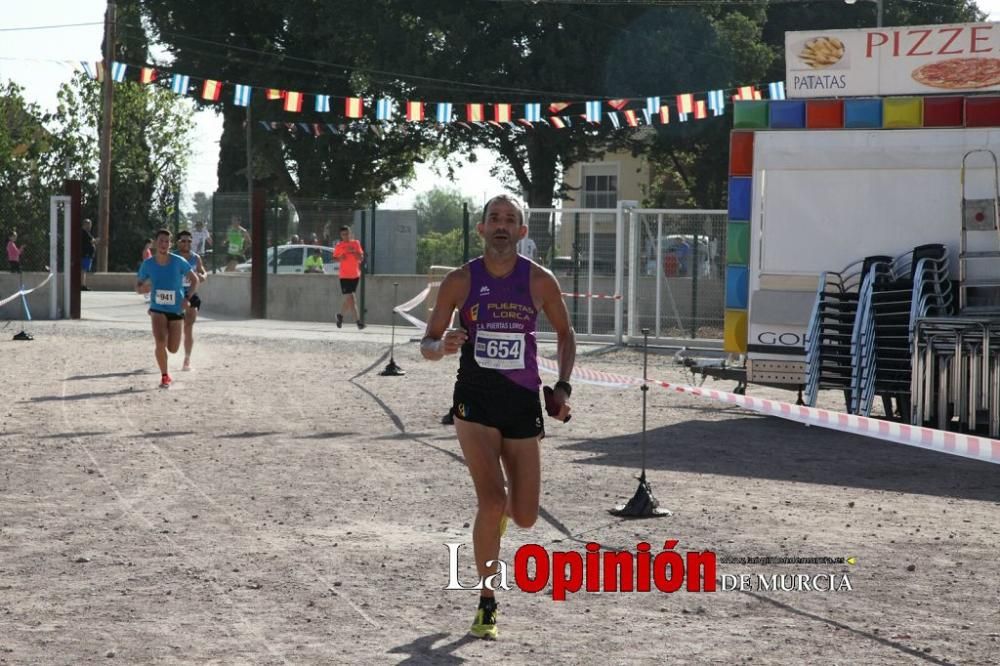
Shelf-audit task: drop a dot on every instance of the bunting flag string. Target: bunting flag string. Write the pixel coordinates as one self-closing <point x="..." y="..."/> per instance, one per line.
<point x="619" y="113"/>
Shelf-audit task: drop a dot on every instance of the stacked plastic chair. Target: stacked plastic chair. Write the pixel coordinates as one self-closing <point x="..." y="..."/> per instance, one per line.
<point x="829" y="353"/>
<point x="916" y="286"/>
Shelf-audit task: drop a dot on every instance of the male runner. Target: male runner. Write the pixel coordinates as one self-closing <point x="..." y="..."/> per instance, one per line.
<point x="498" y="417"/>
<point x="237" y="243"/>
<point x="185" y="242"/>
<point x="162" y="276"/>
<point x="349" y="253"/>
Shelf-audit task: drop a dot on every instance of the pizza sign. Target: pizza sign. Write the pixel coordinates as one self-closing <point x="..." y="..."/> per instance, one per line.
<point x="893" y="61"/>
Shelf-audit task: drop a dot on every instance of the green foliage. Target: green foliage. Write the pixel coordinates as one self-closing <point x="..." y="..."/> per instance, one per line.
<point x="441" y="210"/>
<point x="151" y="130"/>
<point x="26" y="179"/>
<point x="439" y="249"/>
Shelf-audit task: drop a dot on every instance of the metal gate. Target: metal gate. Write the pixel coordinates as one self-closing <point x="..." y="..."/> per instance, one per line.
<point x="624" y="269"/>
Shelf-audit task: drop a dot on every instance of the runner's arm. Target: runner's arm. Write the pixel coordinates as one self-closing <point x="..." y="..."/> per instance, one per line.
<point x="202" y="273"/>
<point x="437" y="340"/>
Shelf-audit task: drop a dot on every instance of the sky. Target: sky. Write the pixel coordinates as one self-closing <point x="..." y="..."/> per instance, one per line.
<point x="40" y="60"/>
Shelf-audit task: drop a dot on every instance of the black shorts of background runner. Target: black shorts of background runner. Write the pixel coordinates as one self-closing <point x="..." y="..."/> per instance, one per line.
<point x="15" y="267"/>
<point x="513" y="410"/>
<point x="171" y="316"/>
<point x="195" y="301"/>
<point x="349" y="286"/>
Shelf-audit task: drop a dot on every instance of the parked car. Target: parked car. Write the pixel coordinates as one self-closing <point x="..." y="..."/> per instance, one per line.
<point x="292" y="259"/>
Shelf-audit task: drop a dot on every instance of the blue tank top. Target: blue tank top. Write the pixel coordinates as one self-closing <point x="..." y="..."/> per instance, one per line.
<point x="499" y="316"/>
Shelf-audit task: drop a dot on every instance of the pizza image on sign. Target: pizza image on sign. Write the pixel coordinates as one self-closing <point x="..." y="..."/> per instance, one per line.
<point x="959" y="73"/>
<point x="821" y="52"/>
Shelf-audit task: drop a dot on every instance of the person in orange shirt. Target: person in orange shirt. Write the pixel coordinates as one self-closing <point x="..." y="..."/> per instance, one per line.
<point x="350" y="255"/>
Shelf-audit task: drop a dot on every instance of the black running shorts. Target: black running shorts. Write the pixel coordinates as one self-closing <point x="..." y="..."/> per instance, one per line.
<point x="171" y="316"/>
<point x="195" y="301"/>
<point x="516" y="412"/>
<point x="349" y="285"/>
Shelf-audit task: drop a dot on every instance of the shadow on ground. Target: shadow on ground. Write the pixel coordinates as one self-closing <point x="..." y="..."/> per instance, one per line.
<point x="769" y="448"/>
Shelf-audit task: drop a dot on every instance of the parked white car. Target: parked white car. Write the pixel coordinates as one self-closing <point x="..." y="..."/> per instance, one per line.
<point x="292" y="259"/>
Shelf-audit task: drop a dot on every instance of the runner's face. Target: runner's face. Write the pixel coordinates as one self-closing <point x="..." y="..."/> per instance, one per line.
<point x="184" y="244"/>
<point x="163" y="244"/>
<point x="502" y="227"/>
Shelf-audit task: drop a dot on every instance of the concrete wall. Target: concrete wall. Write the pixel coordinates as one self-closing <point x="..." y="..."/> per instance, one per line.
<point x="38" y="301"/>
<point x="297" y="297"/>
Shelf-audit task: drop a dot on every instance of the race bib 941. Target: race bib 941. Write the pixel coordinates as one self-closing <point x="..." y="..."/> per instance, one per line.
<point x="165" y="297"/>
<point x="499" y="351"/>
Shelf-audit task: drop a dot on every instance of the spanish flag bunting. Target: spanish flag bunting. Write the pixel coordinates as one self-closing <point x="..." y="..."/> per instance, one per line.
<point x="474" y="113"/>
<point x="617" y="104"/>
<point x="630" y="118"/>
<point x="353" y="107"/>
<point x="685" y="103"/>
<point x="414" y="111"/>
<point x="665" y="114"/>
<point x="293" y="101"/>
<point x="147" y="75"/>
<point x="273" y="93"/>
<point x="557" y="122"/>
<point x="556" y="107"/>
<point x="501" y="113"/>
<point x="211" y="90"/>
<point x="700" y="110"/>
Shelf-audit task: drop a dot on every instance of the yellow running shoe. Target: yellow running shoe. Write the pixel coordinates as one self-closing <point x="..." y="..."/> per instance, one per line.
<point x="485" y="624"/>
<point x="503" y="524"/>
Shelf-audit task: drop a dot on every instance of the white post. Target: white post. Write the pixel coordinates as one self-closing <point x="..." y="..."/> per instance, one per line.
<point x="633" y="274"/>
<point x="658" y="265"/>
<point x="53" y="255"/>
<point x="619" y="270"/>
<point x="590" y="275"/>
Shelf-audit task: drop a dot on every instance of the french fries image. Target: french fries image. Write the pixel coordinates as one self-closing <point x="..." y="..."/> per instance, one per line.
<point x="820" y="52"/>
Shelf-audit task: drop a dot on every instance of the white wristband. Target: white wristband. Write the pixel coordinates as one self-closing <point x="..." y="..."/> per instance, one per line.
<point x="437" y="346"/>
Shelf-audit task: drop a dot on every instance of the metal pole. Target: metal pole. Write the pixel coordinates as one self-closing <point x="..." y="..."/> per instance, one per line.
<point x="878" y="13"/>
<point x="371" y="245"/>
<point x="576" y="269"/>
<point x="250" y="172"/>
<point x="645" y="390"/>
<point x="104" y="173"/>
<point x="361" y="300"/>
<point x="465" y="232"/>
<point x="694" y="288"/>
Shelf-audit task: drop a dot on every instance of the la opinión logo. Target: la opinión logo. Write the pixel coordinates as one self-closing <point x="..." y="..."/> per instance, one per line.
<point x="595" y="570"/>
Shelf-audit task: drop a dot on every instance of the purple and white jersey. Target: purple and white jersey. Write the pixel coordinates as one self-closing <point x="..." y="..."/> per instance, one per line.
<point x="499" y="316"/>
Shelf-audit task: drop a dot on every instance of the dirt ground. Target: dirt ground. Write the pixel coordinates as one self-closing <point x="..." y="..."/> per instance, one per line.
<point x="283" y="503"/>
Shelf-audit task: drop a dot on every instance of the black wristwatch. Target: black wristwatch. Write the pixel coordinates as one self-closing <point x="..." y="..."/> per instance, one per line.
<point x="565" y="386"/>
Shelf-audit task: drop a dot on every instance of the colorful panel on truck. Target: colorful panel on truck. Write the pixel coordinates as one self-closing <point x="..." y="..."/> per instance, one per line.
<point x="739" y="199"/>
<point x="741" y="154"/>
<point x="787" y="114"/>
<point x="734" y="338"/>
<point x="944" y="111"/>
<point x="982" y="112"/>
<point x="737" y="243"/>
<point x="750" y="115"/>
<point x="862" y="113"/>
<point x="824" y="114"/>
<point x="900" y="112"/>
<point x="737" y="287"/>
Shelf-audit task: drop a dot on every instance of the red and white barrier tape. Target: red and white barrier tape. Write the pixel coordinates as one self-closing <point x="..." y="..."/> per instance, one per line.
<point x="967" y="446"/>
<point x="610" y="297"/>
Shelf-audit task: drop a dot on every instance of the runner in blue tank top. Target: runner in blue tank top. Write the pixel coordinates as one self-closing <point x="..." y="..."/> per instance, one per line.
<point x="162" y="277"/>
<point x="498" y="416"/>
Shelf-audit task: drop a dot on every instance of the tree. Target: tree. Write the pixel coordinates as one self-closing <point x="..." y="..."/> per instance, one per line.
<point x="439" y="249"/>
<point x="150" y="146"/>
<point x="292" y="46"/>
<point x="26" y="180"/>
<point x="441" y="210"/>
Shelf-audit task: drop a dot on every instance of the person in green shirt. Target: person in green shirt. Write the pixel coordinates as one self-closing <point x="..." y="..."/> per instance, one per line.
<point x="314" y="262"/>
<point x="237" y="243"/>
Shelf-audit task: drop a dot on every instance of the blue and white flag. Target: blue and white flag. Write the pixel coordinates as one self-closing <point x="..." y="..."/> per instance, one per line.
<point x="384" y="108"/>
<point x="652" y="107"/>
<point x="444" y="112"/>
<point x="647" y="116"/>
<point x="594" y="111"/>
<point x="322" y="104"/>
<point x="615" y="121"/>
<point x="776" y="90"/>
<point x="118" y="71"/>
<point x="717" y="101"/>
<point x="179" y="83"/>
<point x="242" y="95"/>
<point x="93" y="71"/>
<point x="533" y="113"/>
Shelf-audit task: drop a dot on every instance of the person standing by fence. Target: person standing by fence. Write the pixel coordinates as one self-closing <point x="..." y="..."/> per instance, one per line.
<point x="88" y="248"/>
<point x="14" y="252"/>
